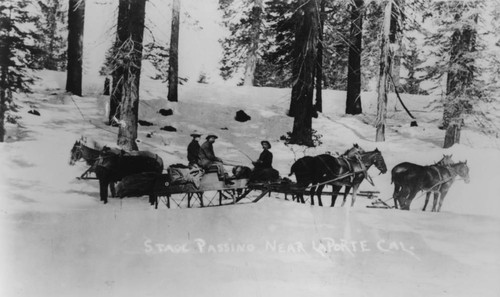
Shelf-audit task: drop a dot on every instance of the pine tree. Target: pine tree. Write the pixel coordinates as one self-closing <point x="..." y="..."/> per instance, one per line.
<point x="76" y="18"/>
<point x="52" y="30"/>
<point x="17" y="52"/>
<point x="304" y="53"/>
<point x="275" y="68"/>
<point x="464" y="60"/>
<point x="336" y="45"/>
<point x="242" y="49"/>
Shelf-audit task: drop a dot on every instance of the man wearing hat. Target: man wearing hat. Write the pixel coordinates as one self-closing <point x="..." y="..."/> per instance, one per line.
<point x="263" y="167"/>
<point x="193" y="150"/>
<point x="207" y="156"/>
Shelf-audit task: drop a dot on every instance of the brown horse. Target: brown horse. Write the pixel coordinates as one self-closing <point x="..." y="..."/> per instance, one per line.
<point x="309" y="170"/>
<point x="400" y="172"/>
<point x="347" y="171"/>
<point x="435" y="179"/>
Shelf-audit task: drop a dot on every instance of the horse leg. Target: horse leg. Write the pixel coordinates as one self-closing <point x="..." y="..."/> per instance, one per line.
<point x="409" y="199"/>
<point x="319" y="190"/>
<point x="112" y="189"/>
<point x="103" y="189"/>
<point x="427" y="196"/>
<point x="313" y="191"/>
<point x="397" y="189"/>
<point x="442" y="195"/>
<point x="354" y="191"/>
<point x="335" y="193"/>
<point x="347" y="189"/>
<point x="436" y="199"/>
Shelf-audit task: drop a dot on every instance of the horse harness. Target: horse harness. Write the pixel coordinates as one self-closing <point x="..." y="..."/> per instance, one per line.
<point x="441" y="180"/>
<point x="352" y="172"/>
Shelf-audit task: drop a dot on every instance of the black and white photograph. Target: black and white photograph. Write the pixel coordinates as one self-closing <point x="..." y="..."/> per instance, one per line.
<point x="249" y="148"/>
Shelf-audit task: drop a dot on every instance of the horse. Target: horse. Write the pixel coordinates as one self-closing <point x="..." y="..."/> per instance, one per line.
<point x="80" y="151"/>
<point x="306" y="171"/>
<point x="399" y="173"/>
<point x="112" y="167"/>
<point x="435" y="179"/>
<point x="348" y="171"/>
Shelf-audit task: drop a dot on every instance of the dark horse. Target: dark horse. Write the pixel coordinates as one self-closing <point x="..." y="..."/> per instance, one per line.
<point x="435" y="179"/>
<point x="311" y="170"/>
<point x="80" y="151"/>
<point x="346" y="171"/>
<point x="400" y="172"/>
<point x="112" y="167"/>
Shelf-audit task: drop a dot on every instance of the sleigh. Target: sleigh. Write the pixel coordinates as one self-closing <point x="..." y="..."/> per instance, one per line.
<point x="213" y="192"/>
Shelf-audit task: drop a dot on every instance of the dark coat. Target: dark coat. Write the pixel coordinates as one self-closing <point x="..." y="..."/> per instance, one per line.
<point x="193" y="152"/>
<point x="265" y="160"/>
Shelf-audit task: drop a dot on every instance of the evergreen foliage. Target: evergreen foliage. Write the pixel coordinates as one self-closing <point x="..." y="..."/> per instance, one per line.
<point x="18" y="45"/>
<point x="53" y="39"/>
<point x="17" y="53"/>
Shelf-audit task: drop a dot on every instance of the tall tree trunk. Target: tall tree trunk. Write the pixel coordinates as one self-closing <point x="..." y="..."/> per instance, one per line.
<point x="122" y="34"/>
<point x="396" y="37"/>
<point x="173" y="59"/>
<point x="76" y="19"/>
<point x="252" y="56"/>
<point x="319" y="59"/>
<point x="127" y="133"/>
<point x="353" y="101"/>
<point x="306" y="39"/>
<point x="385" y="68"/>
<point x="459" y="80"/>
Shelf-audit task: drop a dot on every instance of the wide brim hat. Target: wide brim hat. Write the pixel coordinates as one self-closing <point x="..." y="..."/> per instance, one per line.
<point x="195" y="135"/>
<point x="267" y="142"/>
<point x="211" y="135"/>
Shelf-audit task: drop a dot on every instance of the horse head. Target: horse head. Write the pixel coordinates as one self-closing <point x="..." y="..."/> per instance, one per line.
<point x="462" y="170"/>
<point x="377" y="160"/>
<point x="75" y="153"/>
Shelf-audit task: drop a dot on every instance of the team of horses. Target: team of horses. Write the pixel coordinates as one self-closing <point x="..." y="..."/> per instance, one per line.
<point x="312" y="173"/>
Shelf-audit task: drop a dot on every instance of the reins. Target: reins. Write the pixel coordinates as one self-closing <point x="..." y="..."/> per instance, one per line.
<point x="452" y="177"/>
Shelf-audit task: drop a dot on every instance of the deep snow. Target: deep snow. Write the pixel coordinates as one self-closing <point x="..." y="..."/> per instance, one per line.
<point x="59" y="240"/>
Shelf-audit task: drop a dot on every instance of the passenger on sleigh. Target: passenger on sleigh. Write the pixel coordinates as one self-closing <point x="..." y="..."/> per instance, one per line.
<point x="207" y="159"/>
<point x="193" y="150"/>
<point x="263" y="167"/>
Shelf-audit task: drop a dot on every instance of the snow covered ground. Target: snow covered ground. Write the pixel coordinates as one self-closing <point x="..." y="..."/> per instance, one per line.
<point x="59" y="240"/>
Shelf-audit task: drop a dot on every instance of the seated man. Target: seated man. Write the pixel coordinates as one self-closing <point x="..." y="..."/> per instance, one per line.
<point x="208" y="159"/>
<point x="263" y="167"/>
<point x="193" y="150"/>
